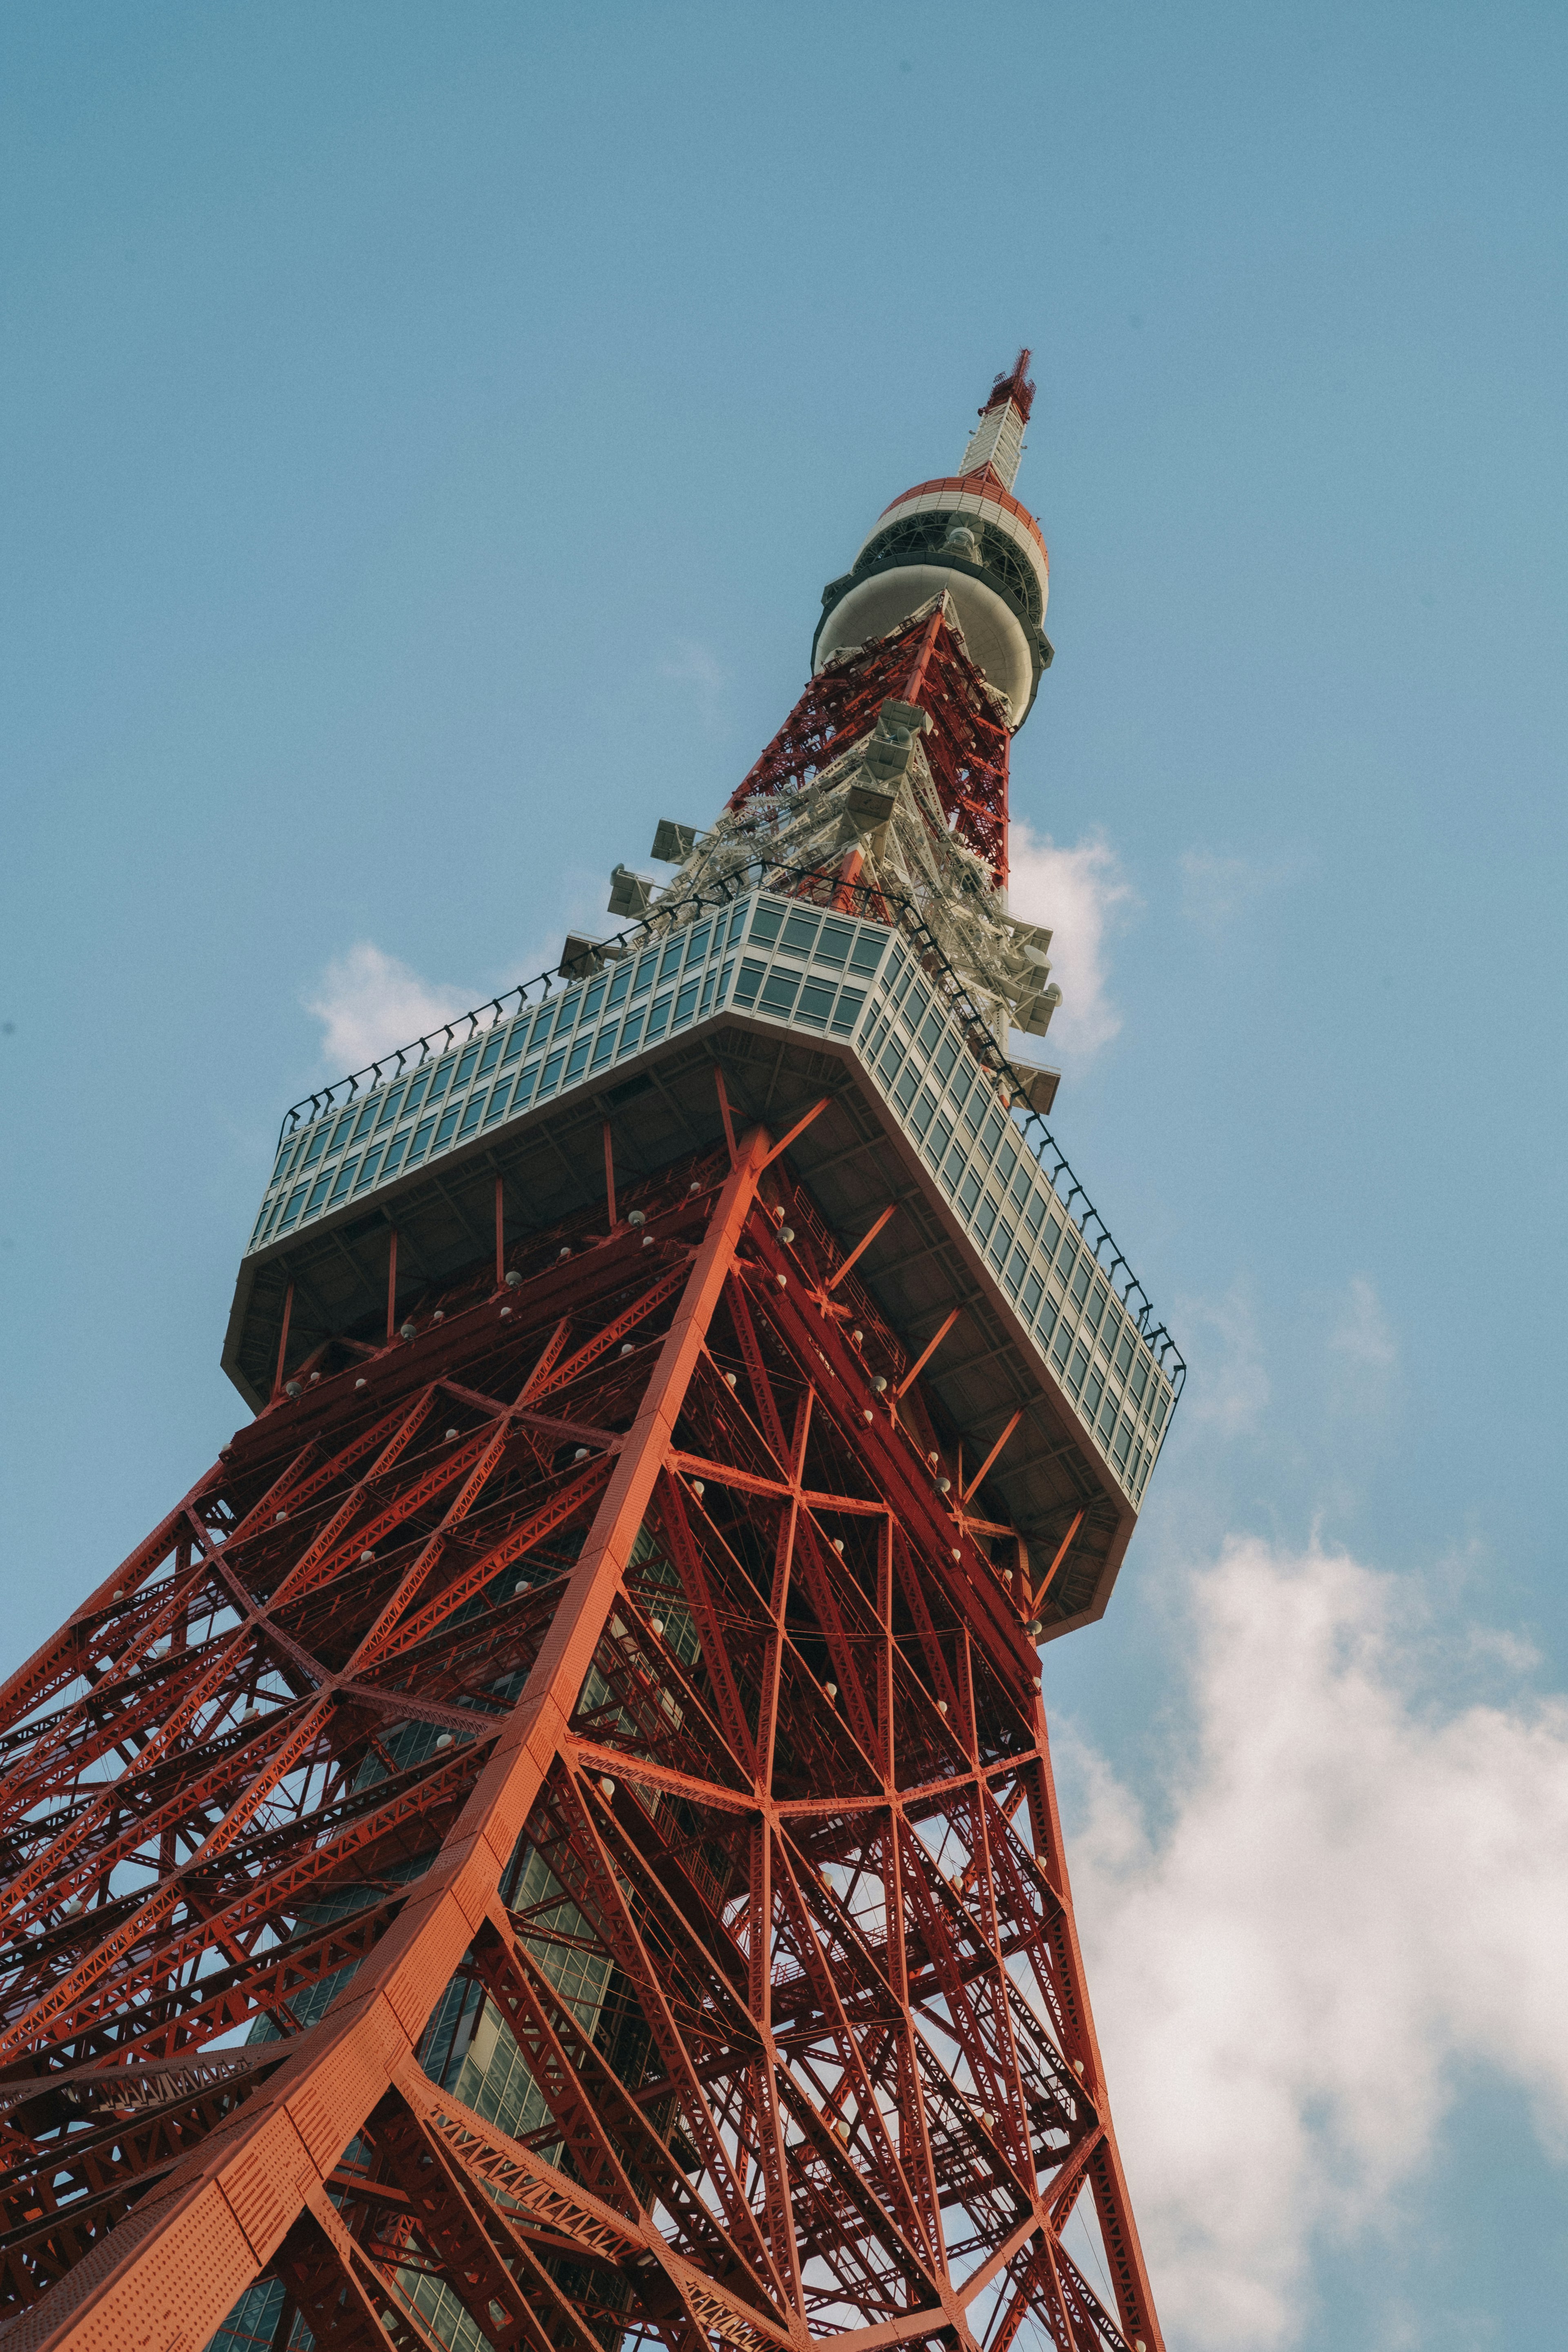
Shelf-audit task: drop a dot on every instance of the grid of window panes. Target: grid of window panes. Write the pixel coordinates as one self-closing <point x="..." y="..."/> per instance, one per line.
<point x="779" y="960"/>
<point x="952" y="1112"/>
<point x="573" y="1037"/>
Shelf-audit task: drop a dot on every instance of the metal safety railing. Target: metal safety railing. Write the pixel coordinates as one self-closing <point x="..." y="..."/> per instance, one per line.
<point x="870" y="903"/>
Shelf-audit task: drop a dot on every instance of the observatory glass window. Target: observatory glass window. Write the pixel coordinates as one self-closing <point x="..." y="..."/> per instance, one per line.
<point x="422" y="1133"/>
<point x="492" y="1054"/>
<point x="575" y="1067"/>
<point x="697" y="945"/>
<point x="618" y="987"/>
<point x="778" y="992"/>
<point x="766" y="922"/>
<point x="833" y="945"/>
<point x="868" y="951"/>
<point x="594" y="998"/>
<point x="391" y="1106"/>
<point x="368" y="1167"/>
<point x="644" y="980"/>
<point x="798" y="934"/>
<point x="631" y="1032"/>
<point x="394" y="1154"/>
<point x="318" y="1145"/>
<point x="850" y="1000"/>
<point x="466" y="1067"/>
<point x="686" y="1003"/>
<point x="441" y="1080"/>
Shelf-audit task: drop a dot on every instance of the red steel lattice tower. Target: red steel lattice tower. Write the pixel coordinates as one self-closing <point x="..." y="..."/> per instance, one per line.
<point x="551" y="1842"/>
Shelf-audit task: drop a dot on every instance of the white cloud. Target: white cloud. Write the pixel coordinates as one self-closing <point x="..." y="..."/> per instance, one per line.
<point x="691" y="663"/>
<point x="1081" y="892"/>
<point x="370" y="1002"/>
<point x="1353" y="1894"/>
<point x="1217" y="888"/>
<point x="1228" y="1382"/>
<point x="1363" y="1334"/>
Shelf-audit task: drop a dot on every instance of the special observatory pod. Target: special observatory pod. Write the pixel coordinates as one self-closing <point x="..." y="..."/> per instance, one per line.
<point x="966" y="533"/>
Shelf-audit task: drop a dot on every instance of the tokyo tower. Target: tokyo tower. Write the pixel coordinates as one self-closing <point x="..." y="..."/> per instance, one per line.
<point x="551" y="1842"/>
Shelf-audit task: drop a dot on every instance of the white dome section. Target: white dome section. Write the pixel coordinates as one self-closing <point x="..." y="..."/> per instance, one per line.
<point x="992" y="630"/>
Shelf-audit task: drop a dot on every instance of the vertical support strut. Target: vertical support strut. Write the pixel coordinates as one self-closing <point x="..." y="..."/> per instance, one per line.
<point x="391" y="1289"/>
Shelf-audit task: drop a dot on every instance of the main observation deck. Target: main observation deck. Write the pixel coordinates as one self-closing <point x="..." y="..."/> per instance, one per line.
<point x="994" y="1248"/>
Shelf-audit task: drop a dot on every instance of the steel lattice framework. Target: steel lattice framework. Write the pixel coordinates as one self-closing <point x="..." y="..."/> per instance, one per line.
<point x="966" y="740"/>
<point x="552" y="1842"/>
<point x="605" y="1658"/>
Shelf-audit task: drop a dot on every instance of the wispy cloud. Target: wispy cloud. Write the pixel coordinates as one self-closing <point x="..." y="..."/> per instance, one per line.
<point x="1229" y="1386"/>
<point x="1364" y="1353"/>
<point x="1217" y="888"/>
<point x="690" y="663"/>
<point x="1081" y="892"/>
<point x="370" y="1002"/>
<point x="1355" y="1891"/>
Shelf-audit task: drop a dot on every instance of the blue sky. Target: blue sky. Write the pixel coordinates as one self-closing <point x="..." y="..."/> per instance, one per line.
<point x="427" y="433"/>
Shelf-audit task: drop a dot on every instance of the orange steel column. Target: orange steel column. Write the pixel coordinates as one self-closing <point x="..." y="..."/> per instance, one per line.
<point x="174" y="2268"/>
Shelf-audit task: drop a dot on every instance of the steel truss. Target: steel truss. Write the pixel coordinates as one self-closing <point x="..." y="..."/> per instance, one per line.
<point x="552" y="1843"/>
<point x="922" y="661"/>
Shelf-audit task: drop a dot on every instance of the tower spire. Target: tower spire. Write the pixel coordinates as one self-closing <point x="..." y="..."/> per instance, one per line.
<point x="997" y="444"/>
<point x="964" y="535"/>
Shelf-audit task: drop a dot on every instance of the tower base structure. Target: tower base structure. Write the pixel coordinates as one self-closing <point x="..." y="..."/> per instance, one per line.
<point x="552" y="1844"/>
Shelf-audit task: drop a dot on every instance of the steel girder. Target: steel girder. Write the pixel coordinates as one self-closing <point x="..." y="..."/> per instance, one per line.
<point x="966" y="742"/>
<point x="552" y="1843"/>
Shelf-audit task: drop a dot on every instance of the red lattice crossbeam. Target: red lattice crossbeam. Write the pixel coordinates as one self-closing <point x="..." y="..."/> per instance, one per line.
<point x="921" y="662"/>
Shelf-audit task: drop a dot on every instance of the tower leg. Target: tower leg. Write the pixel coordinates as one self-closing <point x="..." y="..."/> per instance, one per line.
<point x="594" y="1769"/>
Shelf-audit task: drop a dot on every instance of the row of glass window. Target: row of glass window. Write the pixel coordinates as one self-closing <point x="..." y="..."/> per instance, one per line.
<point x="998" y="1189"/>
<point x="576" y="1035"/>
<point x="937" y="1087"/>
<point x="907" y="1038"/>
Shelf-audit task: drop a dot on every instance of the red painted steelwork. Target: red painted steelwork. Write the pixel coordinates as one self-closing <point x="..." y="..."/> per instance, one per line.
<point x="629" y="1823"/>
<point x="966" y="742"/>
